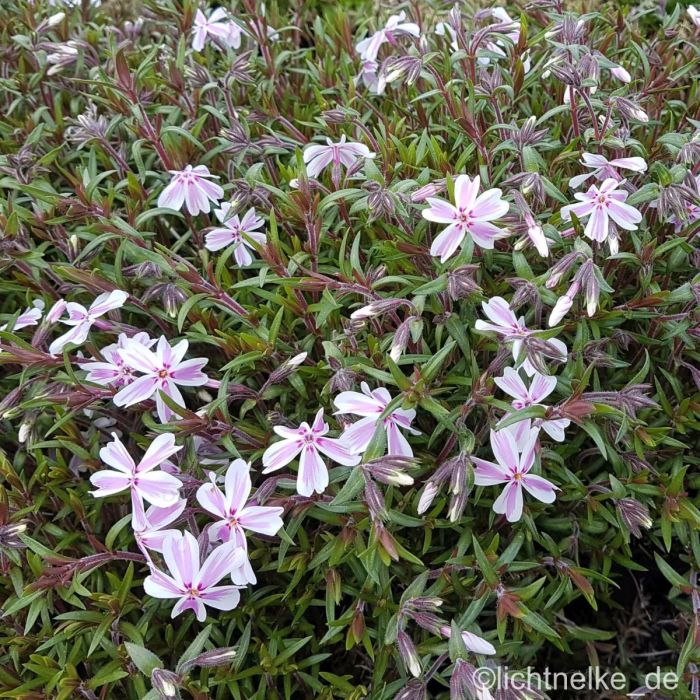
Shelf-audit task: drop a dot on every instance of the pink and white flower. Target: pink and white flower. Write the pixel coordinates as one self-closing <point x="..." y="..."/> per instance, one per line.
<point x="82" y="319"/>
<point x="541" y="386"/>
<point x="191" y="188"/>
<point x="236" y="515"/>
<point x="473" y="642"/>
<point x="29" y="317"/>
<point x="600" y="205"/>
<point x="318" y="157"/>
<point x="694" y="15"/>
<point x="504" y="323"/>
<point x="162" y="370"/>
<point x="194" y="584"/>
<point x="395" y="26"/>
<point x="514" y="460"/>
<point x="470" y="214"/>
<point x="149" y="525"/>
<point x="603" y="169"/>
<point x="370" y="405"/>
<point x="114" y="371"/>
<point x="236" y="232"/>
<point x="310" y="441"/>
<point x="155" y="486"/>
<point x="219" y="26"/>
<point x="512" y="32"/>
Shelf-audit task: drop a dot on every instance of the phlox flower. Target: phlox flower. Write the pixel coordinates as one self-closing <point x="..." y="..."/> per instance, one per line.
<point x="194" y="584"/>
<point x="145" y="482"/>
<point x="318" y="157"/>
<point x="448" y="31"/>
<point x="602" y="168"/>
<point x="310" y="441"/>
<point x="191" y="188"/>
<point x="692" y="212"/>
<point x="600" y="205"/>
<point x="217" y="25"/>
<point x="694" y="15"/>
<point x="371" y="77"/>
<point x="513" y="33"/>
<point x="162" y="370"/>
<point x="470" y="214"/>
<point x="29" y="317"/>
<point x="514" y="460"/>
<point x="541" y="386"/>
<point x="114" y="371"/>
<point x="473" y="642"/>
<point x="504" y="323"/>
<point x="236" y="515"/>
<point x="235" y="231"/>
<point x="370" y="405"/>
<point x="149" y="525"/>
<point x="395" y="26"/>
<point x="82" y="319"/>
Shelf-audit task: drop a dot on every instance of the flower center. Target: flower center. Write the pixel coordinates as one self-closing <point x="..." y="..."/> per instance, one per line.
<point x="163" y="373"/>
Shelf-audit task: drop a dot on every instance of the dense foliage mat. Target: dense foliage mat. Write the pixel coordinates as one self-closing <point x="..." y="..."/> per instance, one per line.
<point x="348" y="351"/>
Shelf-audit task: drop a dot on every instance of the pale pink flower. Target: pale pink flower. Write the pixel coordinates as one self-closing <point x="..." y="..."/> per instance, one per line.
<point x="155" y="486"/>
<point x="512" y="31"/>
<point x="514" y="460"/>
<point x="371" y="78"/>
<point x="473" y="642"/>
<point x="29" y="317"/>
<point x="694" y="15"/>
<point x="82" y="319"/>
<point x="114" y="371"/>
<point x="217" y="25"/>
<point x="311" y="442"/>
<point x="470" y="214"/>
<point x="236" y="232"/>
<point x="541" y="386"/>
<point x="395" y="26"/>
<point x="602" y="168"/>
<point x="149" y="525"/>
<point x="600" y="205"/>
<point x="563" y="306"/>
<point x="370" y="405"/>
<point x="622" y="74"/>
<point x="446" y="30"/>
<point x="195" y="584"/>
<point x="318" y="157"/>
<point x="236" y="515"/>
<point x="191" y="188"/>
<point x="162" y="370"/>
<point x="692" y="211"/>
<point x="504" y="323"/>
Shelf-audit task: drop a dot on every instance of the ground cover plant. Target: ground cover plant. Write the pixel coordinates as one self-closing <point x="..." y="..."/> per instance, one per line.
<point x="349" y="350"/>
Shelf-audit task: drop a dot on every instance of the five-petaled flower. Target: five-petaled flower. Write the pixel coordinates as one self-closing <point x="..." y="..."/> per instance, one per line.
<point x="600" y="205"/>
<point x="506" y="324"/>
<point x="602" y="168"/>
<point x="145" y="482"/>
<point x="217" y="25"/>
<point x="370" y="405"/>
<point x="318" y="157"/>
<point x="514" y="450"/>
<point x="194" y="583"/>
<point x="310" y="441"/>
<point x="82" y="319"/>
<point x="236" y="231"/>
<point x="395" y="26"/>
<point x="191" y="188"/>
<point x="470" y="214"/>
<point x="236" y="515"/>
<point x="114" y="371"/>
<point x="541" y="386"/>
<point x="162" y="370"/>
<point x="148" y="525"/>
<point x="29" y="317"/>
